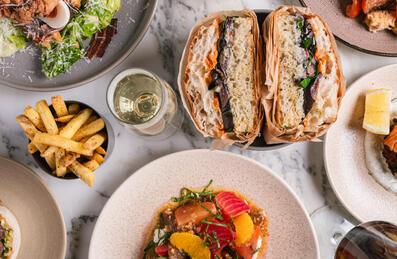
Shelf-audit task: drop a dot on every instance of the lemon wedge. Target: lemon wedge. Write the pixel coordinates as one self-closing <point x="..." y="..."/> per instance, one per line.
<point x="377" y="111"/>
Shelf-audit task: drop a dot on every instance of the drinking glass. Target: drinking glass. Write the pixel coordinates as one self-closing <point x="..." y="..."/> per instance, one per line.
<point x="144" y="103"/>
<point x="339" y="238"/>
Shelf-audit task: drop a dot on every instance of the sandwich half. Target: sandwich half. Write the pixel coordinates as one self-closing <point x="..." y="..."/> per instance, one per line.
<point x="304" y="82"/>
<point x="10" y="234"/>
<point x="219" y="79"/>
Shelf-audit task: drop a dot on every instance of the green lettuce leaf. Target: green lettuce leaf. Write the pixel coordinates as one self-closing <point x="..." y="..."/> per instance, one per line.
<point x="94" y="16"/>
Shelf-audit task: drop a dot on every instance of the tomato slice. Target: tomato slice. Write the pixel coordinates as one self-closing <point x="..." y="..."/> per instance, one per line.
<point x="161" y="250"/>
<point x="194" y="213"/>
<point x="354" y="9"/>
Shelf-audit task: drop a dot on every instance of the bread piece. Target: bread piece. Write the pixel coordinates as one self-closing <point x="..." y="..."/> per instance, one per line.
<point x="288" y="117"/>
<point x="242" y="78"/>
<point x="381" y="20"/>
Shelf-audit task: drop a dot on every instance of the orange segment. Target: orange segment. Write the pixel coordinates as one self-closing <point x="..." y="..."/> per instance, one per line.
<point x="191" y="244"/>
<point x="244" y="228"/>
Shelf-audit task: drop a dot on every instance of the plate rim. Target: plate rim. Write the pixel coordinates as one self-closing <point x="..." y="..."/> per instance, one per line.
<point x="365" y="50"/>
<point x="237" y="156"/>
<point x="141" y="33"/>
<point x="51" y="195"/>
<point x="326" y="166"/>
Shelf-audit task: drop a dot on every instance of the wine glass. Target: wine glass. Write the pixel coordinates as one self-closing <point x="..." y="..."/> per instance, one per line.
<point x="340" y="237"/>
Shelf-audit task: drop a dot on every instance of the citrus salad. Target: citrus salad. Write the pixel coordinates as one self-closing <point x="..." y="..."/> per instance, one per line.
<point x="208" y="224"/>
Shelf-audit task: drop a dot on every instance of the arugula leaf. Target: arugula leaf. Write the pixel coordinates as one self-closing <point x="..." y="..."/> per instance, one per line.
<point x="307" y="42"/>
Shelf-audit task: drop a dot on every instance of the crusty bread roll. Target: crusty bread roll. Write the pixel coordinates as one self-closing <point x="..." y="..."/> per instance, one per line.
<point x="304" y="82"/>
<point x="219" y="76"/>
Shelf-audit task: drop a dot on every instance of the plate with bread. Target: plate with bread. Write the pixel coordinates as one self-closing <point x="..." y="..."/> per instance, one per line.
<point x="260" y="84"/>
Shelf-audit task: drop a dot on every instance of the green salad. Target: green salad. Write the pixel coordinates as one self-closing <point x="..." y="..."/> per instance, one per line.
<point x="94" y="16"/>
<point x="11" y="38"/>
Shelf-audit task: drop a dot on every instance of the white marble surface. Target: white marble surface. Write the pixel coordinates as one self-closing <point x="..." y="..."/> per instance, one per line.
<point x="301" y="165"/>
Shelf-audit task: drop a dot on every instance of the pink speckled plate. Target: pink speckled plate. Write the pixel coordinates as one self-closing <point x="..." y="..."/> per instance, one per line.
<point x="353" y="32"/>
<point x="345" y="156"/>
<point x="119" y="231"/>
<point x="43" y="232"/>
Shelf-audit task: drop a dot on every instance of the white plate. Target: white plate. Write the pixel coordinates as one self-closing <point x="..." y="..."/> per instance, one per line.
<point x="344" y="153"/>
<point x="119" y="231"/>
<point x="43" y="232"/>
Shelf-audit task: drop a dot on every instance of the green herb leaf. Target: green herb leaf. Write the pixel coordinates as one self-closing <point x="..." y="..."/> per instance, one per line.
<point x="306" y="82"/>
<point x="299" y="23"/>
<point x="307" y="42"/>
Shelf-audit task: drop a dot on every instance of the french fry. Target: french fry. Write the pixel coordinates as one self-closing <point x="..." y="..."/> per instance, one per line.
<point x="93" y="142"/>
<point x="32" y="148"/>
<point x="91" y="119"/>
<point x="62" y="142"/>
<point x="34" y="117"/>
<point x="49" y="151"/>
<point x="59" y="106"/>
<point x="30" y="130"/>
<point x="46" y="115"/>
<point x="89" y="129"/>
<point x="101" y="151"/>
<point x="75" y="124"/>
<point x="64" y="119"/>
<point x="83" y="172"/>
<point x="74" y="108"/>
<point x="50" y="161"/>
<point x="97" y="157"/>
<point x="92" y="165"/>
<point x="59" y="168"/>
<point x="69" y="158"/>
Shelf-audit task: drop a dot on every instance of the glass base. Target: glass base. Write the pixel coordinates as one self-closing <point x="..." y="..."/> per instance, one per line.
<point x="331" y="224"/>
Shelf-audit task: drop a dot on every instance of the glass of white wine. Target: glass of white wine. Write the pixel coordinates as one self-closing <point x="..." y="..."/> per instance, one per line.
<point x="144" y="103"/>
<point x="340" y="238"/>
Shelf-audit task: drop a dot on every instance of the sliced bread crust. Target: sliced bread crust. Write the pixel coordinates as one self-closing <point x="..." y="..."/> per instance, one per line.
<point x="198" y="60"/>
<point x="283" y="98"/>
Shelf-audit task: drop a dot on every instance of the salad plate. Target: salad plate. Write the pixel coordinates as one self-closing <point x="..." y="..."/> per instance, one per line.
<point x="24" y="70"/>
<point x="122" y="228"/>
<point x="347" y="156"/>
<point x="42" y="227"/>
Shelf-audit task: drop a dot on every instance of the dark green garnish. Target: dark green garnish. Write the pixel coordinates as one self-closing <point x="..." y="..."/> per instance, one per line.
<point x="307" y="42"/>
<point x="187" y="194"/>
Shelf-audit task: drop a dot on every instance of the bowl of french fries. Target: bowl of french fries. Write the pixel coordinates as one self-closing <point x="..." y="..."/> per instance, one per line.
<point x="67" y="139"/>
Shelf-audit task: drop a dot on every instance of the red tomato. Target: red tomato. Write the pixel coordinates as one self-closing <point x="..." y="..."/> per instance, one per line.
<point x="161" y="250"/>
<point x="231" y="205"/>
<point x="354" y="9"/>
<point x="193" y="213"/>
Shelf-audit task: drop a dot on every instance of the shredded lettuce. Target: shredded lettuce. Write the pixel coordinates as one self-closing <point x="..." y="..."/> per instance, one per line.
<point x="94" y="16"/>
<point x="11" y="38"/>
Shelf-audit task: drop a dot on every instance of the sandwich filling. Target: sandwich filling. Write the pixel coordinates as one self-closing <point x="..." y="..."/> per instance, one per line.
<point x="307" y="87"/>
<point x="220" y="77"/>
<point x="6" y="239"/>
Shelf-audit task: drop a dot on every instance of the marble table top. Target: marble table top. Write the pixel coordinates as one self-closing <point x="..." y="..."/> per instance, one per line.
<point x="300" y="165"/>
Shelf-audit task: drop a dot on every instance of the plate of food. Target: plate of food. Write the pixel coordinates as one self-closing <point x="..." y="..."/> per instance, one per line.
<point x="360" y="152"/>
<point x="202" y="203"/>
<point x="31" y="223"/>
<point x="366" y="25"/>
<point x="59" y="44"/>
<point x="239" y="97"/>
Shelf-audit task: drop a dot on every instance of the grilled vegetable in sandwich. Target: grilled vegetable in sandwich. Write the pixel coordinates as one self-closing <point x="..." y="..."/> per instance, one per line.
<point x="10" y="234"/>
<point x="218" y="77"/>
<point x="304" y="80"/>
